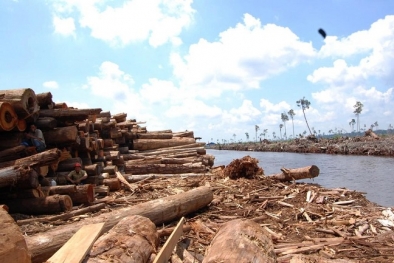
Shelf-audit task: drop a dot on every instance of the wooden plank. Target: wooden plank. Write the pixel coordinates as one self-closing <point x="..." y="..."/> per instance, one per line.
<point x="165" y="252"/>
<point x="77" y="247"/>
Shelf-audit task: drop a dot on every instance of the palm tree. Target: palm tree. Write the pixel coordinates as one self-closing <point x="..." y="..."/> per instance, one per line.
<point x="304" y="104"/>
<point x="234" y="135"/>
<point x="284" y="118"/>
<point x="280" y="128"/>
<point x="358" y="108"/>
<point x="376" y="124"/>
<point x="265" y="132"/>
<point x="247" y="136"/>
<point x="256" y="129"/>
<point x="273" y="135"/>
<point x="291" y="114"/>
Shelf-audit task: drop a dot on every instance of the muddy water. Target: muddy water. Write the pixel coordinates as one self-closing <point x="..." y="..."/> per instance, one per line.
<point x="369" y="174"/>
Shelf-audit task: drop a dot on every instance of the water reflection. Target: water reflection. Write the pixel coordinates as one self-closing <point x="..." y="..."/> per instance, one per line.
<point x="370" y="174"/>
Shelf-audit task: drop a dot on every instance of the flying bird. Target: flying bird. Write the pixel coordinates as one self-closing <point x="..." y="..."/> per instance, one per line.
<point x="322" y="32"/>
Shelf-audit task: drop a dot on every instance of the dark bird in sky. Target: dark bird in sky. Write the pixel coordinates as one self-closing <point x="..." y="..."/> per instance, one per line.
<point x="322" y="32"/>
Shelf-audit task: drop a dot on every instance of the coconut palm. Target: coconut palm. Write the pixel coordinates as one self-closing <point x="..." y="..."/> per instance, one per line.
<point x="247" y="136"/>
<point x="304" y="104"/>
<point x="291" y="114"/>
<point x="358" y="108"/>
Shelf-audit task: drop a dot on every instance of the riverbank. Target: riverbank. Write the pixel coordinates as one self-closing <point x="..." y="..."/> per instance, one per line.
<point x="359" y="145"/>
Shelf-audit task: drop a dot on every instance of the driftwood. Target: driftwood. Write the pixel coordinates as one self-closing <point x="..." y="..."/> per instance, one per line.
<point x="241" y="241"/>
<point x="42" y="205"/>
<point x="13" y="246"/>
<point x="133" y="239"/>
<point x="296" y="173"/>
<point x="162" y="210"/>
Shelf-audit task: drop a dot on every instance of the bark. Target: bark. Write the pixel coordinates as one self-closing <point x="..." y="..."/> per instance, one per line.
<point x="132" y="240"/>
<point x="40" y="159"/>
<point x="12" y="153"/>
<point x="28" y="193"/>
<point x="8" y="117"/>
<point x="93" y="169"/>
<point x="96" y="180"/>
<point x="164" y="168"/>
<point x="61" y="136"/>
<point x="110" y="169"/>
<point x="69" y="114"/>
<point x="44" y="100"/>
<point x="154" y="135"/>
<point x="241" y="241"/>
<point x="112" y="183"/>
<point x="83" y="195"/>
<point x="24" y="102"/>
<point x="18" y="177"/>
<point x="59" y="189"/>
<point x="188" y="134"/>
<point x="111" y="155"/>
<point x="297" y="173"/>
<point x="46" y="123"/>
<point x="13" y="245"/>
<point x="42" y="205"/>
<point x="159" y="211"/>
<point x="68" y="164"/>
<point x="150" y="144"/>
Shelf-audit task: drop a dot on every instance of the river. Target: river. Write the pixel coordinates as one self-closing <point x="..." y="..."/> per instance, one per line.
<point x="370" y="174"/>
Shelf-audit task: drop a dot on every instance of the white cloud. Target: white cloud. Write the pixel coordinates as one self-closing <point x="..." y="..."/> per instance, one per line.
<point x="74" y="104"/>
<point x="50" y="85"/>
<point x="193" y="108"/>
<point x="64" y="26"/>
<point x="269" y="107"/>
<point x="155" y="21"/>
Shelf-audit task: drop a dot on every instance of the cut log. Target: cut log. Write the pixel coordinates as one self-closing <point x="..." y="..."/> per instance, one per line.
<point x="68" y="164"/>
<point x="8" y="117"/>
<point x="61" y="136"/>
<point x="21" y="125"/>
<point x="159" y="211"/>
<point x="189" y="134"/>
<point x="110" y="169"/>
<point x="93" y="169"/>
<point x="60" y="105"/>
<point x="40" y="159"/>
<point x="12" y="153"/>
<point x="101" y="190"/>
<point x="42" y="205"/>
<point x="18" y="177"/>
<point x="59" y="189"/>
<point x="76" y="249"/>
<point x="120" y="117"/>
<point x="140" y="177"/>
<point x="241" y="241"/>
<point x="111" y="155"/>
<point x="24" y="102"/>
<point x="296" y="173"/>
<point x="150" y="144"/>
<point x="83" y="195"/>
<point x="154" y="135"/>
<point x="28" y="193"/>
<point x="44" y="100"/>
<point x="112" y="183"/>
<point x="164" y="168"/>
<point x="13" y="245"/>
<point x="46" y="123"/>
<point x="69" y="114"/>
<point x="372" y="134"/>
<point x="133" y="239"/>
<point x="10" y="139"/>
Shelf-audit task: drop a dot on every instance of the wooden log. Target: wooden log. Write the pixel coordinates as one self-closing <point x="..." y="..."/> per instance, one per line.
<point x="24" y="102"/>
<point x="95" y="180"/>
<point x="150" y="144"/>
<point x="241" y="241"/>
<point x="297" y="173"/>
<point x="40" y="159"/>
<point x="20" y="194"/>
<point x="105" y="114"/>
<point x="102" y="190"/>
<point x="372" y="134"/>
<point x="42" y="205"/>
<point x="153" y="135"/>
<point x="76" y="249"/>
<point x="61" y="136"/>
<point x="69" y="114"/>
<point x="168" y="151"/>
<point x="59" y="189"/>
<point x="60" y="105"/>
<point x="68" y="164"/>
<point x="43" y="245"/>
<point x="13" y="245"/>
<point x="141" y="177"/>
<point x="44" y="100"/>
<point x="10" y="139"/>
<point x="18" y="177"/>
<point x="188" y="134"/>
<point x="46" y="123"/>
<point x="110" y="169"/>
<point x="93" y="169"/>
<point x="120" y="117"/>
<point x="21" y="125"/>
<point x="12" y="153"/>
<point x="111" y="155"/>
<point x="112" y="183"/>
<point x="123" y="247"/>
<point x="8" y="117"/>
<point x="164" y="168"/>
<point x="83" y="195"/>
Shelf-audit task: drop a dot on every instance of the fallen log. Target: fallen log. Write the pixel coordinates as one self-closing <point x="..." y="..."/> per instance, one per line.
<point x="164" y="168"/>
<point x="13" y="245"/>
<point x="159" y="211"/>
<point x="41" y="205"/>
<point x="241" y="241"/>
<point x="8" y="117"/>
<point x="61" y="136"/>
<point x="24" y="102"/>
<point x="40" y="159"/>
<point x="18" y="177"/>
<point x="93" y="169"/>
<point x="133" y="239"/>
<point x="150" y="144"/>
<point x="296" y="173"/>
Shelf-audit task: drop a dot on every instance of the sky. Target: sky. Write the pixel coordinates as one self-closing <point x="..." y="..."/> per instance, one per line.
<point x="215" y="67"/>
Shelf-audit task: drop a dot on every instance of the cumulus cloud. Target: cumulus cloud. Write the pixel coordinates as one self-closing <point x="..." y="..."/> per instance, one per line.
<point x="64" y="26"/>
<point x="50" y="85"/>
<point x="155" y="21"/>
<point x="269" y="107"/>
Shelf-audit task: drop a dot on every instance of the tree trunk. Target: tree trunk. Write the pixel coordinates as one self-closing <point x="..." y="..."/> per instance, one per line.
<point x="68" y="164"/>
<point x="112" y="183"/>
<point x="24" y="102"/>
<point x="21" y="125"/>
<point x="110" y="169"/>
<point x="296" y="173"/>
<point x="43" y="245"/>
<point x="59" y="189"/>
<point x="188" y="134"/>
<point x="44" y="100"/>
<point x="8" y="117"/>
<point x="168" y="151"/>
<point x="164" y="168"/>
<point x="241" y="241"/>
<point x="10" y="139"/>
<point x="18" y="177"/>
<point x="12" y="153"/>
<point x="13" y="245"/>
<point x="372" y="134"/>
<point x="93" y="169"/>
<point x="153" y="135"/>
<point x="150" y="144"/>
<point x="46" y="123"/>
<point x="132" y="240"/>
<point x="20" y="194"/>
<point x="69" y="114"/>
<point x="83" y="195"/>
<point x="42" y="205"/>
<point x="40" y="159"/>
<point x="61" y="136"/>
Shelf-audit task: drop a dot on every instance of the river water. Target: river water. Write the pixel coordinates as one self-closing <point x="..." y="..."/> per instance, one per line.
<point x="370" y="174"/>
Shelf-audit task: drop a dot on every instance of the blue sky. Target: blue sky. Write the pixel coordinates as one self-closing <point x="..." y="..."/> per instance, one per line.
<point x="217" y="67"/>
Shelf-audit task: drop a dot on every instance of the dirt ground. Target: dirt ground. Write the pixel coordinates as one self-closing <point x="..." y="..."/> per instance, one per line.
<point x="301" y="218"/>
